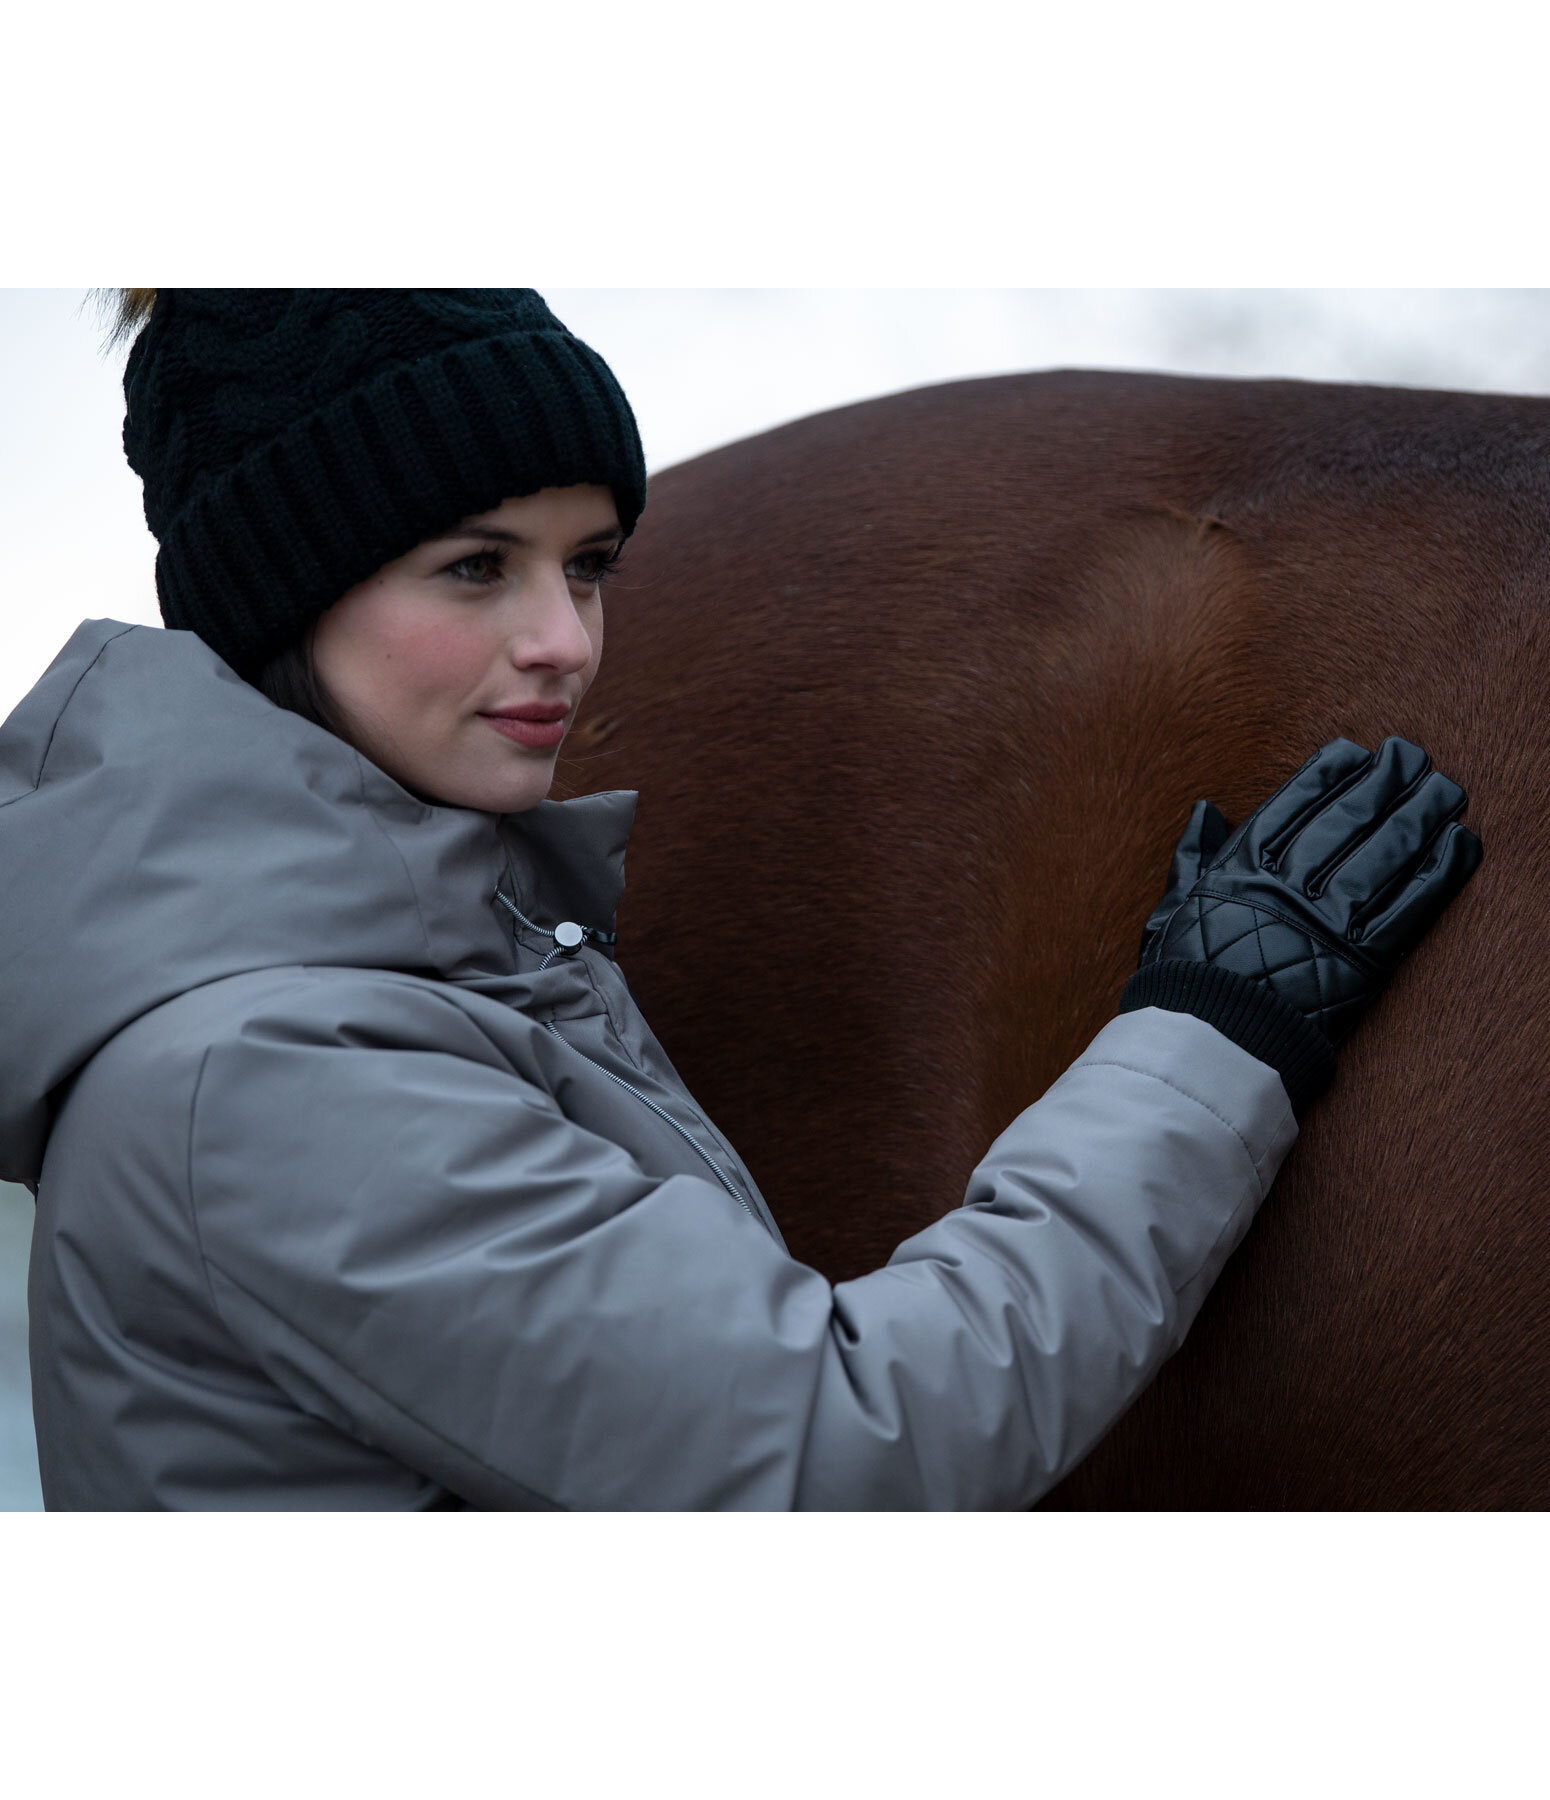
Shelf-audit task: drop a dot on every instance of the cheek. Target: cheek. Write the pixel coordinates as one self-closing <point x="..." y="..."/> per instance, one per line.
<point x="595" y="633"/>
<point x="429" y="658"/>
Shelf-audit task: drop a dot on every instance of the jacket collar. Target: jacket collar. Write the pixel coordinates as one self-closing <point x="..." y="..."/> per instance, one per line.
<point x="163" y="825"/>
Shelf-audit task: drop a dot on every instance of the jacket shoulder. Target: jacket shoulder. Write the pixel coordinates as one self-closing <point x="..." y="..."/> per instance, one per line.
<point x="404" y="1009"/>
<point x="156" y="1060"/>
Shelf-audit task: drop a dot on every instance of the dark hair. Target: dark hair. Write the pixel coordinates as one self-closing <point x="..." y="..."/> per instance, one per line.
<point x="290" y="679"/>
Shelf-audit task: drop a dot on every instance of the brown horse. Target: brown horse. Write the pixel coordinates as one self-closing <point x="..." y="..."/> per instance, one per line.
<point x="918" y="694"/>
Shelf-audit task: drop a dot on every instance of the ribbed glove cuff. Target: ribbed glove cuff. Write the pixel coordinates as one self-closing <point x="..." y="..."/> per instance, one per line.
<point x="1245" y="1010"/>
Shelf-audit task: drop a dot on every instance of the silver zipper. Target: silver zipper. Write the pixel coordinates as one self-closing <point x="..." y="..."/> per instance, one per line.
<point x="575" y="936"/>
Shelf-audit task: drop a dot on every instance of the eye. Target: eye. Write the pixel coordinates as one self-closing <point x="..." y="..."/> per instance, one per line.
<point x="593" y="567"/>
<point x="480" y="569"/>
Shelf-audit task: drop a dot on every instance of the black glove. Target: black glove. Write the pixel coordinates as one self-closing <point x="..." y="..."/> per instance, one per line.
<point x="1315" y="899"/>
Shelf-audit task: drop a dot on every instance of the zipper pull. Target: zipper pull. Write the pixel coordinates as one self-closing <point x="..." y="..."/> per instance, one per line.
<point x="568" y="938"/>
<point x="568" y="935"/>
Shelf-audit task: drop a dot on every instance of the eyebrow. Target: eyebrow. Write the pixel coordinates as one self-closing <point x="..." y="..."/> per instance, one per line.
<point x="503" y="536"/>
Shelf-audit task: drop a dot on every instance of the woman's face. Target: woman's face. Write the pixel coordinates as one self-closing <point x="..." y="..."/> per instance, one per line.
<point x="502" y="612"/>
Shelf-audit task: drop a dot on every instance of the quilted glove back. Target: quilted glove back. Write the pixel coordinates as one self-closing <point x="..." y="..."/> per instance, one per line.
<point x="1325" y="888"/>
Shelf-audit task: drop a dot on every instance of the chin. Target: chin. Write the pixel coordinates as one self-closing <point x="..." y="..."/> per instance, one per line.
<point x="506" y="796"/>
<point x="482" y="789"/>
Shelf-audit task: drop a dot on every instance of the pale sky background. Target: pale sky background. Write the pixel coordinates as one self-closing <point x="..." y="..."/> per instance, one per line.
<point x="702" y="367"/>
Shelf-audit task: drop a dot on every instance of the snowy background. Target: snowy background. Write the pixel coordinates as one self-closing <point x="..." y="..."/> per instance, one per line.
<point x="702" y="367"/>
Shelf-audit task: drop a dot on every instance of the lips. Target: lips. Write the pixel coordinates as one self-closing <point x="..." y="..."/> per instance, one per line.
<point x="535" y="727"/>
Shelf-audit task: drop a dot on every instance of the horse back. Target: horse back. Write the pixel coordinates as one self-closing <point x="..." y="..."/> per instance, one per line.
<point x="918" y="695"/>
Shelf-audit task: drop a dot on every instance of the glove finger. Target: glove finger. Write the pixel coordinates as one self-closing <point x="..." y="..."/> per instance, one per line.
<point x="1273" y="824"/>
<point x="1407" y="917"/>
<point x="1350" y="814"/>
<point x="1358" y="882"/>
<point x="1200" y="840"/>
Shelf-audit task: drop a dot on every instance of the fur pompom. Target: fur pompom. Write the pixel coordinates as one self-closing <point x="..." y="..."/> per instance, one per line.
<point x="125" y="310"/>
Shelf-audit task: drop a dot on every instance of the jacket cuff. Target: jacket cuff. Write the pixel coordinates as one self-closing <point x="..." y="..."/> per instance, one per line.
<point x="1248" y="1012"/>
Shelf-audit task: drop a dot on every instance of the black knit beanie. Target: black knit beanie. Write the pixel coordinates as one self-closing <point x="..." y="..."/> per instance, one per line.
<point x="293" y="440"/>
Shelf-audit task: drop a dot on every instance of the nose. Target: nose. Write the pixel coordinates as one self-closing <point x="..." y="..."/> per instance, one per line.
<point x="548" y="631"/>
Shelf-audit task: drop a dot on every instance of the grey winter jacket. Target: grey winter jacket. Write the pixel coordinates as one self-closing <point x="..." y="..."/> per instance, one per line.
<point x="353" y="1193"/>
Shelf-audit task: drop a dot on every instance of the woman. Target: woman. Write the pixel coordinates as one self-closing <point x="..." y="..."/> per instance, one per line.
<point x="361" y="1181"/>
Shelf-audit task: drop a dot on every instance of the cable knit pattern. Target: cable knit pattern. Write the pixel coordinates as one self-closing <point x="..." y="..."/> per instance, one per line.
<point x="292" y="440"/>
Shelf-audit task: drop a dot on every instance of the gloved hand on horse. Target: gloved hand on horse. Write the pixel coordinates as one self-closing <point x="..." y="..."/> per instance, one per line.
<point x="1282" y="932"/>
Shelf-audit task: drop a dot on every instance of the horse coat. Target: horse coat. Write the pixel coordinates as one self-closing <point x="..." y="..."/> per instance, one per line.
<point x="918" y="694"/>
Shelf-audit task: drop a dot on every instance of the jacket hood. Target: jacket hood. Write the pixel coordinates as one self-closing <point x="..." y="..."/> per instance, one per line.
<point x="163" y="824"/>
